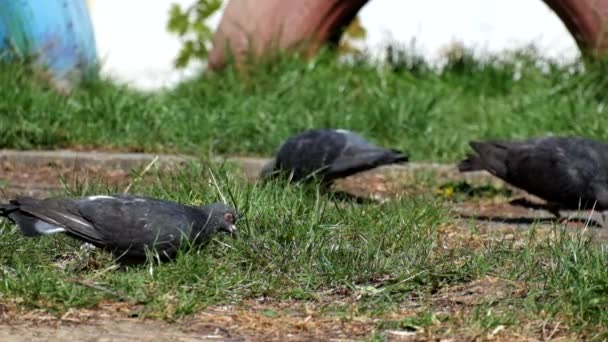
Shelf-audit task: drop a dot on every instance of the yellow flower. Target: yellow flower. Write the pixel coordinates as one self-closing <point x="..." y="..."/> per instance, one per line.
<point x="448" y="191"/>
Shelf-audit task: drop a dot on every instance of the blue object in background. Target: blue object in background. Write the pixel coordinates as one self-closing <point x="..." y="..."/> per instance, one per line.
<point x="56" y="34"/>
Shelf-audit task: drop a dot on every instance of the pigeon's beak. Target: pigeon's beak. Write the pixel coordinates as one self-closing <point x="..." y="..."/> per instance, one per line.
<point x="233" y="231"/>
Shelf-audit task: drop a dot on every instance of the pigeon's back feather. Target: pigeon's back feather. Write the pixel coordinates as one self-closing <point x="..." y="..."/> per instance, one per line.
<point x="310" y="153"/>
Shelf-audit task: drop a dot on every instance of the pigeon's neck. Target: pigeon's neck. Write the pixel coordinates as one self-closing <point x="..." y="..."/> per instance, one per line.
<point x="204" y="225"/>
<point x="201" y="233"/>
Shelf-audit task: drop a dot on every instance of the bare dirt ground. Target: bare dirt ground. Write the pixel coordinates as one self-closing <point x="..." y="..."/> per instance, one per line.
<point x="39" y="175"/>
<point x="261" y="320"/>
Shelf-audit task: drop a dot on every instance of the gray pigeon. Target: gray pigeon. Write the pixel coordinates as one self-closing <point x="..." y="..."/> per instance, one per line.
<point x="124" y="224"/>
<point x="328" y="154"/>
<point x="570" y="173"/>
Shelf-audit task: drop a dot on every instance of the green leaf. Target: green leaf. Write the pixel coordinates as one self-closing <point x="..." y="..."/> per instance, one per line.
<point x="178" y="20"/>
<point x="192" y="20"/>
<point x="185" y="54"/>
<point x="205" y="9"/>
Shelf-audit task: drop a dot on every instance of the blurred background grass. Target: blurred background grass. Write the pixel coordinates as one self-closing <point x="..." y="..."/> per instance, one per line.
<point x="432" y="111"/>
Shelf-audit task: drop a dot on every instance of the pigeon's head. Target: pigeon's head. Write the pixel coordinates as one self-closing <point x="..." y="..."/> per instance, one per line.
<point x="221" y="218"/>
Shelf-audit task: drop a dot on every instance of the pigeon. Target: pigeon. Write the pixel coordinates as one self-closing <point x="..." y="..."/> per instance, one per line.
<point x="127" y="225"/>
<point x="570" y="173"/>
<point x="328" y="154"/>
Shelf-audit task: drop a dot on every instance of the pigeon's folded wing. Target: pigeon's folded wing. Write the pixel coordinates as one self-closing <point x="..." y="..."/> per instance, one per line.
<point x="127" y="221"/>
<point x="551" y="173"/>
<point x="364" y="160"/>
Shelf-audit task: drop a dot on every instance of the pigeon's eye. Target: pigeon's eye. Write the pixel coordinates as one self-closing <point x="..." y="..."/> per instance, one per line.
<point x="229" y="217"/>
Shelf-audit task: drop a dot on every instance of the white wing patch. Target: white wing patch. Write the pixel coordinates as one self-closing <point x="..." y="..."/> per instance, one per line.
<point x="95" y="198"/>
<point x="342" y="131"/>
<point x="45" y="228"/>
<point x="104" y="197"/>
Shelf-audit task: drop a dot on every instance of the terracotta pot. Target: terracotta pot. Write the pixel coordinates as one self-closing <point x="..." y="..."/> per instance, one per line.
<point x="256" y="28"/>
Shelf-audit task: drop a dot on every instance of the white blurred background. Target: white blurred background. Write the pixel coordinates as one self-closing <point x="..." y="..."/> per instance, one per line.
<point x="135" y="47"/>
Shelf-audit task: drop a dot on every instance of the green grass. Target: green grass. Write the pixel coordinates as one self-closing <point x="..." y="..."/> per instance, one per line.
<point x="294" y="242"/>
<point x="298" y="244"/>
<point x="406" y="104"/>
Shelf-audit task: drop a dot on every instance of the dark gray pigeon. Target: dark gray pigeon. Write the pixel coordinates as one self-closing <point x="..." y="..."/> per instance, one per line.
<point x="328" y="154"/>
<point x="124" y="224"/>
<point x="570" y="173"/>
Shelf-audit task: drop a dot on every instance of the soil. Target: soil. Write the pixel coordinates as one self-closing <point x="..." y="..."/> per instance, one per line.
<point x="261" y="320"/>
<point x="492" y="218"/>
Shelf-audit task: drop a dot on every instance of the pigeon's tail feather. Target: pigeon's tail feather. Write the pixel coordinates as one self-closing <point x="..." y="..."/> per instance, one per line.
<point x="33" y="226"/>
<point x="471" y="163"/>
<point x="345" y="166"/>
<point x="385" y="157"/>
<point x="25" y="223"/>
<point x="6" y="209"/>
<point x="490" y="156"/>
<point x="29" y="224"/>
<point x="396" y="156"/>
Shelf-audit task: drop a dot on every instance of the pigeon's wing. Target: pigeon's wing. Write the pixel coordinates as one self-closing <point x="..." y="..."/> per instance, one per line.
<point x="595" y="165"/>
<point x="354" y="139"/>
<point x="359" y="155"/>
<point x="361" y="160"/>
<point x="552" y="171"/>
<point x="126" y="221"/>
<point x="50" y="216"/>
<point x="310" y="153"/>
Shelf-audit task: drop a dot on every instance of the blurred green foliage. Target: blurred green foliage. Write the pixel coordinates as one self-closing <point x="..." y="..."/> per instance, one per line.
<point x="190" y="25"/>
